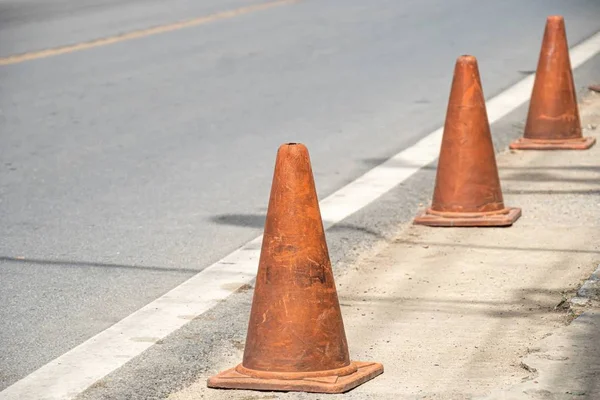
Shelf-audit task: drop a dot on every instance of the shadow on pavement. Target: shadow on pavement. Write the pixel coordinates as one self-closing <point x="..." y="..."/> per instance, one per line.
<point x="71" y="263"/>
<point x="514" y="248"/>
<point x="546" y="177"/>
<point x="530" y="301"/>
<point x="582" y="191"/>
<point x="258" y="221"/>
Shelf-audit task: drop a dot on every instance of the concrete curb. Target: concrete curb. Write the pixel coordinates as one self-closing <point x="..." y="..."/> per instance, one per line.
<point x="589" y="291"/>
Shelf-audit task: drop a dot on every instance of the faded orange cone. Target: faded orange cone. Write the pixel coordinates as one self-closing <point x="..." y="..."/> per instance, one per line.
<point x="467" y="187"/>
<point x="296" y="339"/>
<point x="553" y="120"/>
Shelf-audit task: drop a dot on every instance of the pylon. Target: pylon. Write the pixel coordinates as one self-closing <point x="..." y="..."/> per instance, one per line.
<point x="296" y="339"/>
<point x="553" y="120"/>
<point x="467" y="187"/>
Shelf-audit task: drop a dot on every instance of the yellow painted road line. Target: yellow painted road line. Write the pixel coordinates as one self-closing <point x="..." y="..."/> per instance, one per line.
<point x="19" y="58"/>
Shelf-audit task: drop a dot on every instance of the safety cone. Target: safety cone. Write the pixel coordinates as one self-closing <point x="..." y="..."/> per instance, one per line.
<point x="553" y="120"/>
<point x="467" y="187"/>
<point x="296" y="339"/>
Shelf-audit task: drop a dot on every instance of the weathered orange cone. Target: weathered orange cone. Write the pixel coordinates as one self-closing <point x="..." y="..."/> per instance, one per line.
<point x="553" y="119"/>
<point x="467" y="187"/>
<point x="296" y="339"/>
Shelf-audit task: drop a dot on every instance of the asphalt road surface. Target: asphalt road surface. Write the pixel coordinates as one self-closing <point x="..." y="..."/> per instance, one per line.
<point x="126" y="168"/>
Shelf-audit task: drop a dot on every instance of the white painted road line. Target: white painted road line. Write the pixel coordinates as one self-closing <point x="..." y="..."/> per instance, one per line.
<point x="74" y="371"/>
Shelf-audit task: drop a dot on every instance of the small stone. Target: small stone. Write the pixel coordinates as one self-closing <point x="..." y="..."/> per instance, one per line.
<point x="580" y="301"/>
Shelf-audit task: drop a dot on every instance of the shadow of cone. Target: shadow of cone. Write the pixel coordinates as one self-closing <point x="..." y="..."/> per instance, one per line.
<point x="553" y="119"/>
<point x="296" y="339"/>
<point x="467" y="187"/>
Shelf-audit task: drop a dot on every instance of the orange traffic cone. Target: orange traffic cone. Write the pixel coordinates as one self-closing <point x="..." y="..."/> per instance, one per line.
<point x="467" y="187"/>
<point x="553" y="119"/>
<point x="296" y="339"/>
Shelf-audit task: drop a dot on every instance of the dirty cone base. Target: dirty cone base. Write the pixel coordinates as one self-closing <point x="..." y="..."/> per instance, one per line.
<point x="505" y="219"/>
<point x="566" y="144"/>
<point x="232" y="379"/>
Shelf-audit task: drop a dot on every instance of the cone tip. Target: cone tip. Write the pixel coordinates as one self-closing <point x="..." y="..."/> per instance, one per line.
<point x="555" y="18"/>
<point x="467" y="59"/>
<point x="292" y="147"/>
<point x="555" y="23"/>
<point x="466" y="64"/>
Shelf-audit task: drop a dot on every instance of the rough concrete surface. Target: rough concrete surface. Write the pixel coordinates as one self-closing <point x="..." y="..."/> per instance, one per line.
<point x="565" y="365"/>
<point x="463" y="313"/>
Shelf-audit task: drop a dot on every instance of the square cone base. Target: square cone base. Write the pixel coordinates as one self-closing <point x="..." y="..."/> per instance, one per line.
<point x="485" y="220"/>
<point x="231" y="379"/>
<point x="573" y="144"/>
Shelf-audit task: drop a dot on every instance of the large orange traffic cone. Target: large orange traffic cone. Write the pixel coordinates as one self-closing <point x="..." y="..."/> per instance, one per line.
<point x="467" y="187"/>
<point x="553" y="119"/>
<point x="296" y="339"/>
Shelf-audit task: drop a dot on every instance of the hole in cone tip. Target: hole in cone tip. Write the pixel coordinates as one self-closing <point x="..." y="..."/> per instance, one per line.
<point x="293" y="148"/>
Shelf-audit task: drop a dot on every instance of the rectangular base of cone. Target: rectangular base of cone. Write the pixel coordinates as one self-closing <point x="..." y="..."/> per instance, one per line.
<point x="527" y="144"/>
<point x="231" y="379"/>
<point x="485" y="220"/>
